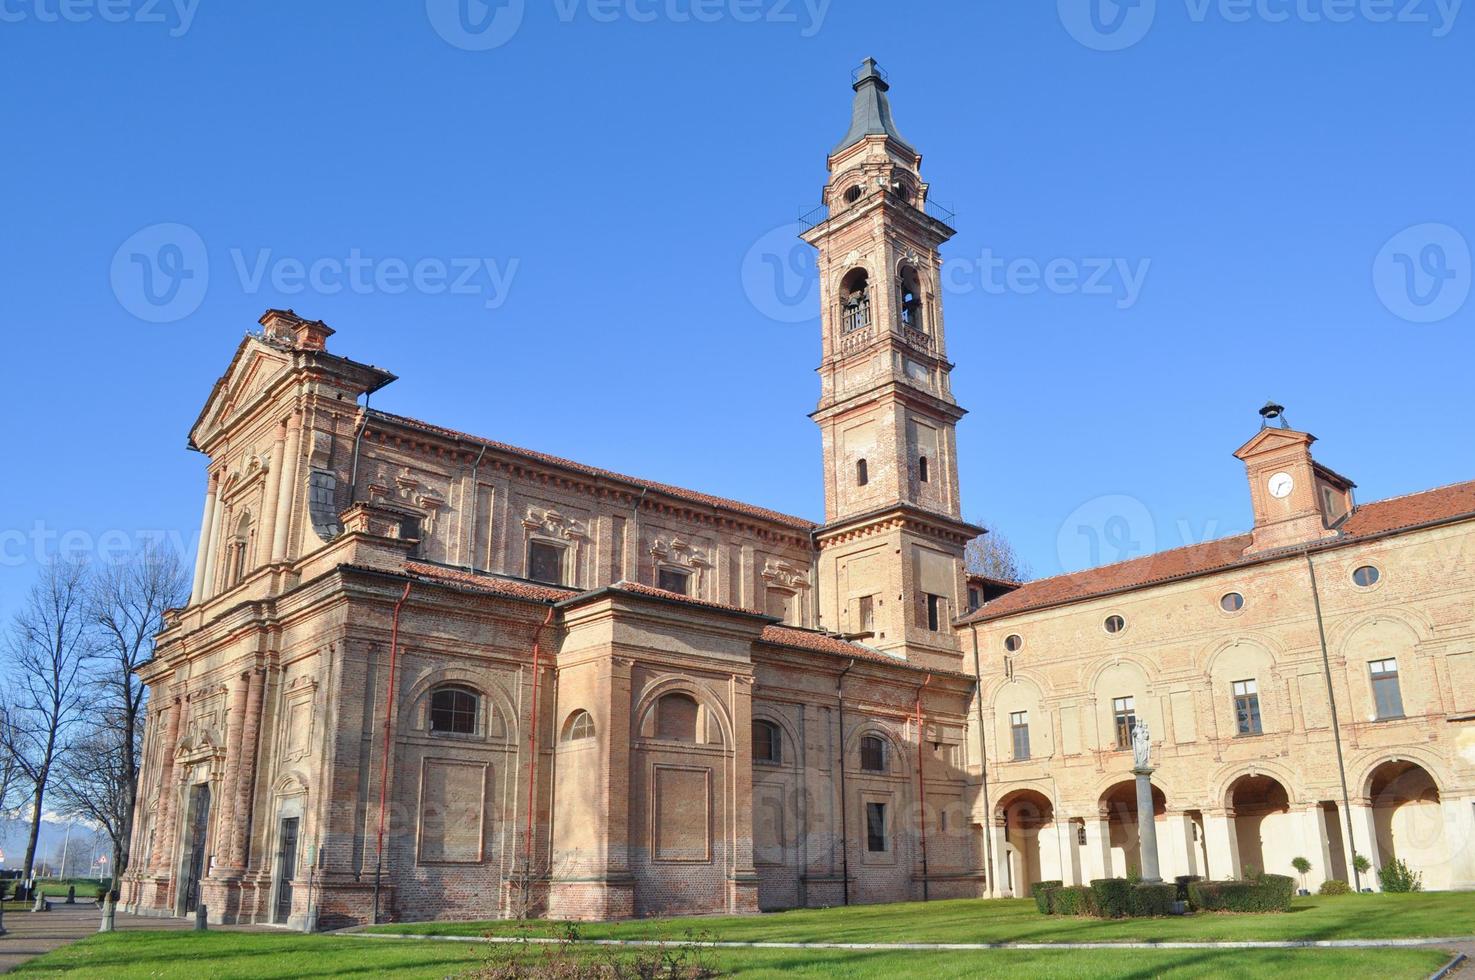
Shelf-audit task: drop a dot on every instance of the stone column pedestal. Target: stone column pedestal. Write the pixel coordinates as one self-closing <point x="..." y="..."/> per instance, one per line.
<point x="1146" y="826"/>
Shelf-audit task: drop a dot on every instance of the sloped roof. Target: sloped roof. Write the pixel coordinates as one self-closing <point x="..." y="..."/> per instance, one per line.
<point x="488" y="584"/>
<point x="870" y="114"/>
<point x="1366" y="521"/>
<point x="680" y="493"/>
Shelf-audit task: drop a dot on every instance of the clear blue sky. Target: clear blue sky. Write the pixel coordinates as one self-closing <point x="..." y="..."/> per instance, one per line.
<point x="616" y="163"/>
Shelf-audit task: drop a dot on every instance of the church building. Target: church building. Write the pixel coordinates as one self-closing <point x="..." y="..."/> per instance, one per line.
<point x="423" y="674"/>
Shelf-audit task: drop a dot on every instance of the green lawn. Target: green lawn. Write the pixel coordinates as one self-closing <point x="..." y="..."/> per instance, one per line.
<point x="123" y="955"/>
<point x="1016" y="920"/>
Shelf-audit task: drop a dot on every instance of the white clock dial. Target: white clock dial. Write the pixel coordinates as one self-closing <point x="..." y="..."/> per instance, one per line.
<point x="1281" y="485"/>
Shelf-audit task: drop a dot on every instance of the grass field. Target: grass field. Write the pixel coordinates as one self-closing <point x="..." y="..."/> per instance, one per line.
<point x="125" y="955"/>
<point x="1016" y="920"/>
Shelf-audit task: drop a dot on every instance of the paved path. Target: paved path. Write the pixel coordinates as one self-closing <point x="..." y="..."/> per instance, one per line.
<point x="29" y="934"/>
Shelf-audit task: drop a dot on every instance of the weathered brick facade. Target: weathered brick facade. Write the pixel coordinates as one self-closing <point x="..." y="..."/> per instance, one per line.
<point x="426" y="675"/>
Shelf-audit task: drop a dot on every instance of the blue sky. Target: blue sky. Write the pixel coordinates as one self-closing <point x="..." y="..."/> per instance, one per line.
<point x="597" y="206"/>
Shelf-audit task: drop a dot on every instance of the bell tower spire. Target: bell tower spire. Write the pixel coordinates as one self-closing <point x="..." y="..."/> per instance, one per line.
<point x="892" y="546"/>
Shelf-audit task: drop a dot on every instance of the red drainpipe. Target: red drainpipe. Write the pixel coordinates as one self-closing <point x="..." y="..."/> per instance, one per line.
<point x="922" y="788"/>
<point x="533" y="746"/>
<point x="384" y="760"/>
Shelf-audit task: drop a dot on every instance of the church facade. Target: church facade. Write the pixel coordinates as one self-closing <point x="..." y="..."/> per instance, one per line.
<point x="424" y="674"/>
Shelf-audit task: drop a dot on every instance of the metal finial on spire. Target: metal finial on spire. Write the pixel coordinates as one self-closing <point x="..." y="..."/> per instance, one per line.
<point x="1271" y="411"/>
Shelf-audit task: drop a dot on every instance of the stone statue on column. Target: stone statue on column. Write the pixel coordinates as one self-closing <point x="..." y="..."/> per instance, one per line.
<point x="1146" y="816"/>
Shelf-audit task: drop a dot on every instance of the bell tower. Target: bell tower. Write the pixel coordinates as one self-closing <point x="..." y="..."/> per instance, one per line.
<point x="891" y="549"/>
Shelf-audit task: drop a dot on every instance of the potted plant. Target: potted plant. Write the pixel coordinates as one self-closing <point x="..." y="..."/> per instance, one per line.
<point x="1302" y="866"/>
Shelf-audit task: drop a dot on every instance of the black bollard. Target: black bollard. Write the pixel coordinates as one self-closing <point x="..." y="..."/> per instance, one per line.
<point x="200" y="918"/>
<point x="2" y="918"/>
<point x="71" y="894"/>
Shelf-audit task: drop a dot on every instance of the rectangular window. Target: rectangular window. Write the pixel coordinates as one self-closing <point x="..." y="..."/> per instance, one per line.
<point x="876" y="841"/>
<point x="1387" y="696"/>
<point x="1125" y="710"/>
<point x="409" y="530"/>
<point x="934" y="612"/>
<point x="1247" y="707"/>
<point x="974" y="599"/>
<point x="1019" y="729"/>
<point x="867" y="614"/>
<point x="545" y="562"/>
<point x="922" y="468"/>
<point x="674" y="580"/>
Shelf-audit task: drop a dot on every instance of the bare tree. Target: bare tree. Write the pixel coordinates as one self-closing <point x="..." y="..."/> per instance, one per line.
<point x="992" y="555"/>
<point x="126" y="605"/>
<point x="91" y="783"/>
<point x="47" y="650"/>
<point x="9" y="770"/>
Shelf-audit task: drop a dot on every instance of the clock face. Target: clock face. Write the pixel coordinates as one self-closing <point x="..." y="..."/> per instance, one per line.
<point x="1280" y="485"/>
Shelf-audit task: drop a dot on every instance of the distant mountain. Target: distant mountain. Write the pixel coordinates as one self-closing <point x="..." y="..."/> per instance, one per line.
<point x="85" y="844"/>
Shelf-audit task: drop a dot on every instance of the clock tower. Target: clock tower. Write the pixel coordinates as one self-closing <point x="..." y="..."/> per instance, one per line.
<point x="891" y="549"/>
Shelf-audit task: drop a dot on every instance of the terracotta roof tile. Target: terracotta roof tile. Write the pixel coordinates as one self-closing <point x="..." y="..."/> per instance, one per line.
<point x="814" y="641"/>
<point x="636" y="588"/>
<point x="1367" y="520"/>
<point x="489" y="584"/>
<point x="681" y="493"/>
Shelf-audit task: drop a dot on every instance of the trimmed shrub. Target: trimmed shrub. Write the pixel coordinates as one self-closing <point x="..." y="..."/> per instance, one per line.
<point x="1267" y="893"/>
<point x="1072" y="900"/>
<point x="1395" y="876"/>
<point x="1334" y="886"/>
<point x="1152" y="899"/>
<point x="1040" y="891"/>
<point x="1112" y="896"/>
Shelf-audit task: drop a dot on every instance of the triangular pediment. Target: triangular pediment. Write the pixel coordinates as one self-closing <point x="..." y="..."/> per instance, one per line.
<point x="1269" y="440"/>
<point x="255" y="367"/>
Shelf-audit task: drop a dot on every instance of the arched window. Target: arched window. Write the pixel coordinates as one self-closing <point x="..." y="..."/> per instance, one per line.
<point x="453" y="710"/>
<point x="676" y="718"/>
<point x="862" y="473"/>
<point x="768" y="741"/>
<point x="855" y="301"/>
<point x="578" y="727"/>
<point x="239" y="552"/>
<point x="873" y="753"/>
<point x="911" y="300"/>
